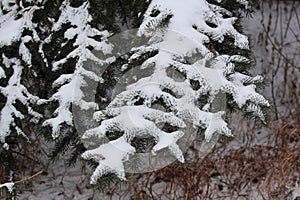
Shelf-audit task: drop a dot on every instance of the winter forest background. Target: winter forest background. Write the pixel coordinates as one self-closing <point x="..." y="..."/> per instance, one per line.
<point x="86" y="86"/>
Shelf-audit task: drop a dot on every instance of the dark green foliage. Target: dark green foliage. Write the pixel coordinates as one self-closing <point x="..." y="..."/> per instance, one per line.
<point x="12" y="50"/>
<point x="68" y="146"/>
<point x="235" y="7"/>
<point x="37" y="78"/>
<point x="113" y="135"/>
<point x="7" y="160"/>
<point x="2" y="101"/>
<point x="113" y="73"/>
<point x="105" y="183"/>
<point x="143" y="144"/>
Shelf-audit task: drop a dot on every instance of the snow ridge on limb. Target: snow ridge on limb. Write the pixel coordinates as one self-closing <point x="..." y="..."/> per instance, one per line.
<point x="69" y="86"/>
<point x="14" y="21"/>
<point x="179" y="31"/>
<point x="135" y="121"/>
<point x="118" y="149"/>
<point x="13" y="92"/>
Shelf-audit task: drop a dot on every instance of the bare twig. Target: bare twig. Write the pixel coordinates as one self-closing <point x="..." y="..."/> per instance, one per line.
<point x="28" y="178"/>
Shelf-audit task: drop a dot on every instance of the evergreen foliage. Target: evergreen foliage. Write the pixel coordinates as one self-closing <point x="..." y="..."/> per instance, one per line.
<point x="56" y="48"/>
<point x="209" y="62"/>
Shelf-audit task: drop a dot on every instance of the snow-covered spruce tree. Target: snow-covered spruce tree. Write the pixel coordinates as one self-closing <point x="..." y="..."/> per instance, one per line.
<point x="18" y="112"/>
<point x="77" y="48"/>
<point x="217" y="60"/>
<point x="42" y="68"/>
<point x="78" y="35"/>
<point x="80" y="29"/>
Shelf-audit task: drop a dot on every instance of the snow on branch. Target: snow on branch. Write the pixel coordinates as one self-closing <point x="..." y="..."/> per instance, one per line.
<point x="180" y="31"/>
<point x="15" y="91"/>
<point x="15" y="21"/>
<point x="70" y="85"/>
<point x="10" y="185"/>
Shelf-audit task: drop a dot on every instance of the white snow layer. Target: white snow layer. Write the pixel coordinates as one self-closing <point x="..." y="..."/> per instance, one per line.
<point x="14" y="91"/>
<point x="186" y="33"/>
<point x="118" y="149"/>
<point x="12" y="25"/>
<point x="9" y="186"/>
<point x="70" y="86"/>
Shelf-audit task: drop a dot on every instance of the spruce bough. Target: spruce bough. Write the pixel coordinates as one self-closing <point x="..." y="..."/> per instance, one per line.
<point x="195" y="50"/>
<point x="132" y="113"/>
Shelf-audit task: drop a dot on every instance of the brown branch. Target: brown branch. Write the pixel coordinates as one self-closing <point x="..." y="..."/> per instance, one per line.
<point x="279" y="50"/>
<point x="28" y="178"/>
